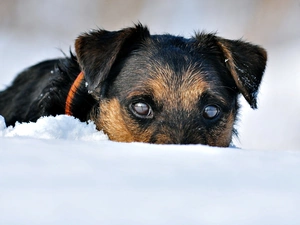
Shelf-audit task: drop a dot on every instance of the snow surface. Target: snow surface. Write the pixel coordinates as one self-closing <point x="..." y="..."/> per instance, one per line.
<point x="62" y="171"/>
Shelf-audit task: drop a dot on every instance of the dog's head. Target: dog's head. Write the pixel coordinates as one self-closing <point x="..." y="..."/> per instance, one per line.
<point x="168" y="89"/>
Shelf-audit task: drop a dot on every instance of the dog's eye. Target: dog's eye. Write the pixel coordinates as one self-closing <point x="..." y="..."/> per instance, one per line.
<point x="142" y="110"/>
<point x="211" y="112"/>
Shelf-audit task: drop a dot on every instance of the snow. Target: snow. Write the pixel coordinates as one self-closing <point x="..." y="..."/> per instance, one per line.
<point x="54" y="128"/>
<point x="62" y="171"/>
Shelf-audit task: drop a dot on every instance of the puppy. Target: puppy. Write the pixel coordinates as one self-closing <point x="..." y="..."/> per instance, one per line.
<point x="138" y="87"/>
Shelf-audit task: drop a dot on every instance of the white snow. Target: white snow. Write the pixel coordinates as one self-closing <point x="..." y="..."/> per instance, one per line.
<point x="59" y="127"/>
<point x="62" y="171"/>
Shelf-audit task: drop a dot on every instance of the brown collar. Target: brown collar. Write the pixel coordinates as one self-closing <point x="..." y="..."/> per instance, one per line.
<point x="72" y="93"/>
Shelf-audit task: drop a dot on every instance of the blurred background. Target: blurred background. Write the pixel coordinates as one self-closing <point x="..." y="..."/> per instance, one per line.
<point x="33" y="30"/>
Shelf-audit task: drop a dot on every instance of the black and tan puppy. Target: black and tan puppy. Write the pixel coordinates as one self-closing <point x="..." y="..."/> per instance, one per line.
<point x="146" y="88"/>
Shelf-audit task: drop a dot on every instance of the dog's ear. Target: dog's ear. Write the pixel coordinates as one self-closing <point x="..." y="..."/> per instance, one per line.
<point x="246" y="63"/>
<point x="98" y="50"/>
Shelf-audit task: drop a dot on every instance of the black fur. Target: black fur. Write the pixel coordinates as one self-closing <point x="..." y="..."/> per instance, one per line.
<point x="41" y="90"/>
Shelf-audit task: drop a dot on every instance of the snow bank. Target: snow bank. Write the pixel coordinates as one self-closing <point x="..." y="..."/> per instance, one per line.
<point x="59" y="127"/>
<point x="61" y="171"/>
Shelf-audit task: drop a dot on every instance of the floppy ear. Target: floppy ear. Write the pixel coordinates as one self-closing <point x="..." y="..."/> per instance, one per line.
<point x="246" y="63"/>
<point x="98" y="50"/>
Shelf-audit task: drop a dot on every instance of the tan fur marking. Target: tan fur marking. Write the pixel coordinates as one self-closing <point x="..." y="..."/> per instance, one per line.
<point x="175" y="91"/>
<point x="117" y="124"/>
<point x="221" y="136"/>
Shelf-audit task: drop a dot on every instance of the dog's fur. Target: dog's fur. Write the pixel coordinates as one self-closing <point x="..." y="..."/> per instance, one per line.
<point x="147" y="88"/>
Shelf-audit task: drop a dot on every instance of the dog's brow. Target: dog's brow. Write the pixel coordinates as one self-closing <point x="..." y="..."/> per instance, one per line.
<point x="143" y="92"/>
<point x="210" y="93"/>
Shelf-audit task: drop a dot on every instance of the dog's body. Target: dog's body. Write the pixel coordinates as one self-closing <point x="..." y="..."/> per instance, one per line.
<point x="142" y="87"/>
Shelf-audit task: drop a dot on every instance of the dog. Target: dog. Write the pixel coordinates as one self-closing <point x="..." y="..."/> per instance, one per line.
<point x="139" y="87"/>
